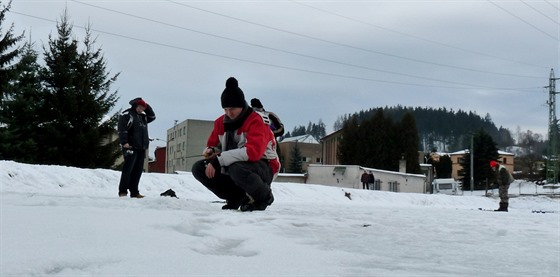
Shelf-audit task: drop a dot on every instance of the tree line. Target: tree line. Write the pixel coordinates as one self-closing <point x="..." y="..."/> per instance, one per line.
<point x="316" y="130"/>
<point x="379" y="142"/>
<point x="439" y="128"/>
<point x="56" y="112"/>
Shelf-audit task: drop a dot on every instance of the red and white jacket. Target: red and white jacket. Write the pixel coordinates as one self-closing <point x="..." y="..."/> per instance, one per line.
<point x="255" y="141"/>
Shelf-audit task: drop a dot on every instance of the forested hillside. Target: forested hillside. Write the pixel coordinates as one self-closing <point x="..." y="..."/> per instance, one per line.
<point x="441" y="129"/>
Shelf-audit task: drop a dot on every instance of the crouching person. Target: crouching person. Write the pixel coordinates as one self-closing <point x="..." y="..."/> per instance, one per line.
<point x="240" y="159"/>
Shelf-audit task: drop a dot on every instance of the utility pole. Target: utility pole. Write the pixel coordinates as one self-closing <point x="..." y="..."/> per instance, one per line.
<point x="472" y="163"/>
<point x="552" y="161"/>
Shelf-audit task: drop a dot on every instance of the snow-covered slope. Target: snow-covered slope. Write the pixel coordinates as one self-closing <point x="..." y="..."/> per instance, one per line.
<point x="66" y="221"/>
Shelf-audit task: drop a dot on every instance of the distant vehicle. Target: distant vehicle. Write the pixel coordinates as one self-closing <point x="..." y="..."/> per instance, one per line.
<point x="446" y="186"/>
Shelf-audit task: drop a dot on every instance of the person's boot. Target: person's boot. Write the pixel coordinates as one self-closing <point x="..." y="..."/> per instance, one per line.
<point x="502" y="208"/>
<point x="505" y="208"/>
<point x="231" y="205"/>
<point x="250" y="205"/>
<point x="499" y="209"/>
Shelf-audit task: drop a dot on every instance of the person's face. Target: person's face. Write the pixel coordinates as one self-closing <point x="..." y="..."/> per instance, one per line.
<point x="232" y="113"/>
<point x="140" y="109"/>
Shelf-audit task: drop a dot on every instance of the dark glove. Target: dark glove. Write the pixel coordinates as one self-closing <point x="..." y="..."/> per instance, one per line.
<point x="215" y="162"/>
<point x="149" y="111"/>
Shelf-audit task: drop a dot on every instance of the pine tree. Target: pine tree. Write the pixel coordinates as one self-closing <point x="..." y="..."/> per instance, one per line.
<point x="77" y="102"/>
<point x="408" y="142"/>
<point x="485" y="150"/>
<point x="9" y="53"/>
<point x="316" y="130"/>
<point x="347" y="145"/>
<point x="444" y="167"/>
<point x="528" y="161"/>
<point x="21" y="109"/>
<point x="385" y="153"/>
<point x="298" y="131"/>
<point x="296" y="164"/>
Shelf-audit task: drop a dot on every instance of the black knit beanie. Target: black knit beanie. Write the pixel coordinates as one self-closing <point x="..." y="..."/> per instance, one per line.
<point x="256" y="103"/>
<point x="233" y="96"/>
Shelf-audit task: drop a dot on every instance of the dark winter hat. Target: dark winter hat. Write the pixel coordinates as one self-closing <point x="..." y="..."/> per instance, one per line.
<point x="256" y="103"/>
<point x="138" y="101"/>
<point x="233" y="96"/>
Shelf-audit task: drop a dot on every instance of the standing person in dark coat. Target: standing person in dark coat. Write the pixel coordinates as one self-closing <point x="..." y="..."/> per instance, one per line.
<point x="270" y="118"/>
<point x="365" y="180"/>
<point x="371" y="180"/>
<point x="504" y="179"/>
<point x="240" y="155"/>
<point x="133" y="136"/>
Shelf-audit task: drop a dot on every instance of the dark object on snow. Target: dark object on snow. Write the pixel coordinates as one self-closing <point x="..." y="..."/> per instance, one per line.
<point x="543" y="211"/>
<point x="248" y="204"/>
<point x="503" y="207"/>
<point x="347" y="194"/>
<point x="169" y="193"/>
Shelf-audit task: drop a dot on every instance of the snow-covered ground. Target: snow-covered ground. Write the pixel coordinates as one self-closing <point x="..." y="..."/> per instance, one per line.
<point x="66" y="221"/>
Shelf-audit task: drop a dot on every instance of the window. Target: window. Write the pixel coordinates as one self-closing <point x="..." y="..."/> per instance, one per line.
<point x="505" y="160"/>
<point x="446" y="186"/>
<point x="377" y="185"/>
<point x="394" y="186"/>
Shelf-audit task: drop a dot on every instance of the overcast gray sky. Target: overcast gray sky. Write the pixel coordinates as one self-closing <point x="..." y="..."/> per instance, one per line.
<point x="311" y="60"/>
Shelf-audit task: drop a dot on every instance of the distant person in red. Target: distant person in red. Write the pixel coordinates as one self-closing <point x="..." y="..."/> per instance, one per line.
<point x="133" y="136"/>
<point x="504" y="179"/>
<point x="240" y="158"/>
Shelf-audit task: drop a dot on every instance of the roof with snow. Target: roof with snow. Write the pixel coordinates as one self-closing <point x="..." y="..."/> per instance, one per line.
<point x="500" y="152"/>
<point x="303" y="139"/>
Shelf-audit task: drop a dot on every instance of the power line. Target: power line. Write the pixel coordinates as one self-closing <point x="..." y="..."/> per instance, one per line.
<point x="421" y="38"/>
<point x="346" y="45"/>
<point x="281" y="66"/>
<point x="523" y="20"/>
<point x="284" y="51"/>
<point x="538" y="11"/>
<point x="556" y="7"/>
